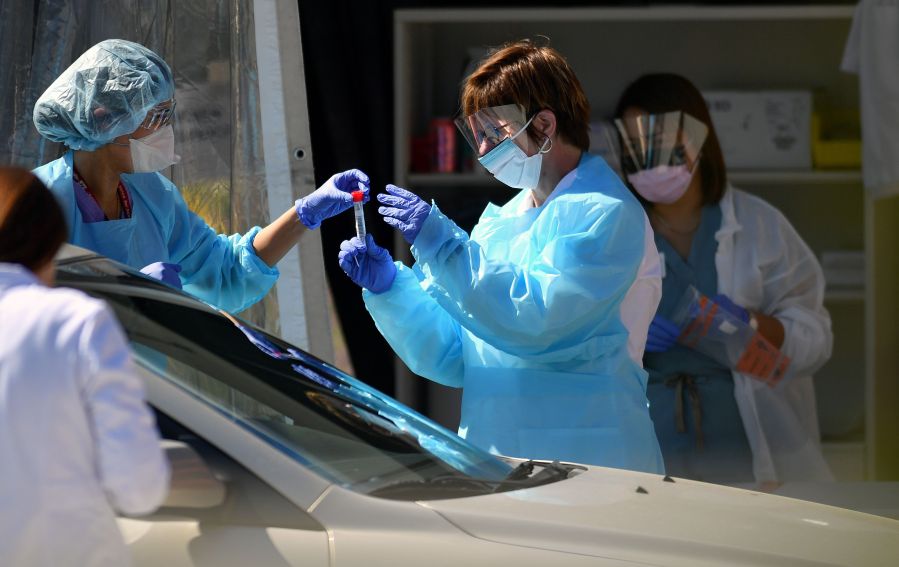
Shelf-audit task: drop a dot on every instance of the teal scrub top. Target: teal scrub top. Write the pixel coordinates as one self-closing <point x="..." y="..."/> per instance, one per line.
<point x="698" y="270"/>
<point x="723" y="454"/>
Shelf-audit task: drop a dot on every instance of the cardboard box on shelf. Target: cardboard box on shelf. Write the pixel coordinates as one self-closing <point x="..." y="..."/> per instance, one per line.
<point x="763" y="129"/>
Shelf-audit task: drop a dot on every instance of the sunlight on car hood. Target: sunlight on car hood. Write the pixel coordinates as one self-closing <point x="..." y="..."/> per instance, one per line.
<point x="641" y="517"/>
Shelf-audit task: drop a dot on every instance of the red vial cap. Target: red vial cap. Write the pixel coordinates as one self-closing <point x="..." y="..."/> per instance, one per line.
<point x="358" y="196"/>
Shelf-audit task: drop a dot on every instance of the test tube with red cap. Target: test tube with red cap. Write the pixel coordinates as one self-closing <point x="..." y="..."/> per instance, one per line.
<point x="360" y="216"/>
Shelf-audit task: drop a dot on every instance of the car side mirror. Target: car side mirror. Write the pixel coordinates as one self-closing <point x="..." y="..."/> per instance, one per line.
<point x="193" y="484"/>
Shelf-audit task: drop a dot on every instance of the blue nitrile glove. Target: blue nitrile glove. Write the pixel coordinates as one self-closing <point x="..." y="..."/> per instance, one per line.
<point x="662" y="335"/>
<point x="725" y="303"/>
<point x="367" y="264"/>
<point x="165" y="272"/>
<point x="333" y="197"/>
<point x="405" y="212"/>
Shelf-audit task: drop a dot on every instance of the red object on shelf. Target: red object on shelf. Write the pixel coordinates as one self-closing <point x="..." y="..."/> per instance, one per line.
<point x="443" y="145"/>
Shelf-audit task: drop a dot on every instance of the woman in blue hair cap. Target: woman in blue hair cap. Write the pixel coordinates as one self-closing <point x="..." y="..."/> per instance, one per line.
<point x="113" y="109"/>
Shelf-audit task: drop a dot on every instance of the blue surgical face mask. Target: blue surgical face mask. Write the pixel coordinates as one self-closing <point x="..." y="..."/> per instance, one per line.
<point x="508" y="162"/>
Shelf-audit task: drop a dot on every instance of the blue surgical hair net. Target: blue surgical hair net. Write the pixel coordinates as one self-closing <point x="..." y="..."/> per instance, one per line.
<point x="104" y="94"/>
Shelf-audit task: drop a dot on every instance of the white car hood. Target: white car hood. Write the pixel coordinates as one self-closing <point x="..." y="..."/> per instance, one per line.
<point x="604" y="513"/>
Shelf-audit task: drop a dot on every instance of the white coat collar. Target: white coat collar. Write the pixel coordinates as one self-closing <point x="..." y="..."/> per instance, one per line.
<point x="724" y="254"/>
<point x="12" y="275"/>
<point x="729" y="223"/>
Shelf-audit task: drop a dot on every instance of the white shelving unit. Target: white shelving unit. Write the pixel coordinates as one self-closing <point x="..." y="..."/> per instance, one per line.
<point x="734" y="48"/>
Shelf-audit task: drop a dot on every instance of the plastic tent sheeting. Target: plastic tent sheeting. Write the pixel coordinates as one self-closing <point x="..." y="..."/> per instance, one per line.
<point x="211" y="47"/>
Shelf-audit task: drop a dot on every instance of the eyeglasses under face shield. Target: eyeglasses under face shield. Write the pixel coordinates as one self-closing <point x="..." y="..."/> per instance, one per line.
<point x="653" y="140"/>
<point x="159" y="116"/>
<point x="488" y="127"/>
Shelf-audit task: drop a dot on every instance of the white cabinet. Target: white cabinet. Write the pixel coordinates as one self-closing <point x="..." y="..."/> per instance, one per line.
<point x="720" y="48"/>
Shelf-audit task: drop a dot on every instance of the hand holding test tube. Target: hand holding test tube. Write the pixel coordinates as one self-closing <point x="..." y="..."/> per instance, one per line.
<point x="717" y="333"/>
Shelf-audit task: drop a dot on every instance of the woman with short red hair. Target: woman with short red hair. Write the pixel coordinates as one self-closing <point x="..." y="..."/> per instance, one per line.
<point x="540" y="314"/>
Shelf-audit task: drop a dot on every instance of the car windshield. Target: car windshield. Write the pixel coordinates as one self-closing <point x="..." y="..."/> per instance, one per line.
<point x="345" y="430"/>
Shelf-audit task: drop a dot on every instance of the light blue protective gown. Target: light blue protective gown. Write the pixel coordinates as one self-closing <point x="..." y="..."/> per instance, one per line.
<point x="524" y="316"/>
<point x="222" y="270"/>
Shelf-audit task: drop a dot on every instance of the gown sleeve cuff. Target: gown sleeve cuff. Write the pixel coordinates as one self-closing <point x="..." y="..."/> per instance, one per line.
<point x="402" y="283"/>
<point x="249" y="256"/>
<point x="436" y="231"/>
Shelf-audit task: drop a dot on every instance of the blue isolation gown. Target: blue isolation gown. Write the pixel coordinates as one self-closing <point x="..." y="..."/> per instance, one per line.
<point x="701" y="382"/>
<point x="221" y="270"/>
<point x="524" y="316"/>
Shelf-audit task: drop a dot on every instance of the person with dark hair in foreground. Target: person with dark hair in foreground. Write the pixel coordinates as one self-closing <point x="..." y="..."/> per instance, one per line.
<point x="77" y="441"/>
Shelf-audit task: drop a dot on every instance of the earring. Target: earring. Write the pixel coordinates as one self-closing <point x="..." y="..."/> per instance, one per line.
<point x="545" y="149"/>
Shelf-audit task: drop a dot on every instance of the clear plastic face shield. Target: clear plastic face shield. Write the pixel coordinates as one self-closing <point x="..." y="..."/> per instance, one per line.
<point x="499" y="137"/>
<point x="159" y="116"/>
<point x="652" y="140"/>
<point x="660" y="152"/>
<point x="154" y="149"/>
<point x="487" y="128"/>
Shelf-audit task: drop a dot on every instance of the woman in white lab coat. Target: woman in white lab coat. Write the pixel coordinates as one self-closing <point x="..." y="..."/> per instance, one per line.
<point x="77" y="442"/>
<point x="713" y="422"/>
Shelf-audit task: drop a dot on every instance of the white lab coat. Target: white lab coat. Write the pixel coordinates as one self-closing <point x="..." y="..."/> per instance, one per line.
<point x="642" y="299"/>
<point x="77" y="440"/>
<point x="764" y="265"/>
<point x="871" y="51"/>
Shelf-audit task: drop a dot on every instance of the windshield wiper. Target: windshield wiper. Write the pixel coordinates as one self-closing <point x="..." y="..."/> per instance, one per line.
<point x="444" y="486"/>
<point x="521" y="475"/>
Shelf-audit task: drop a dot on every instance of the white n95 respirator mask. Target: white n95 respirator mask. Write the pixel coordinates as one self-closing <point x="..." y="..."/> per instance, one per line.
<point x="154" y="152"/>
